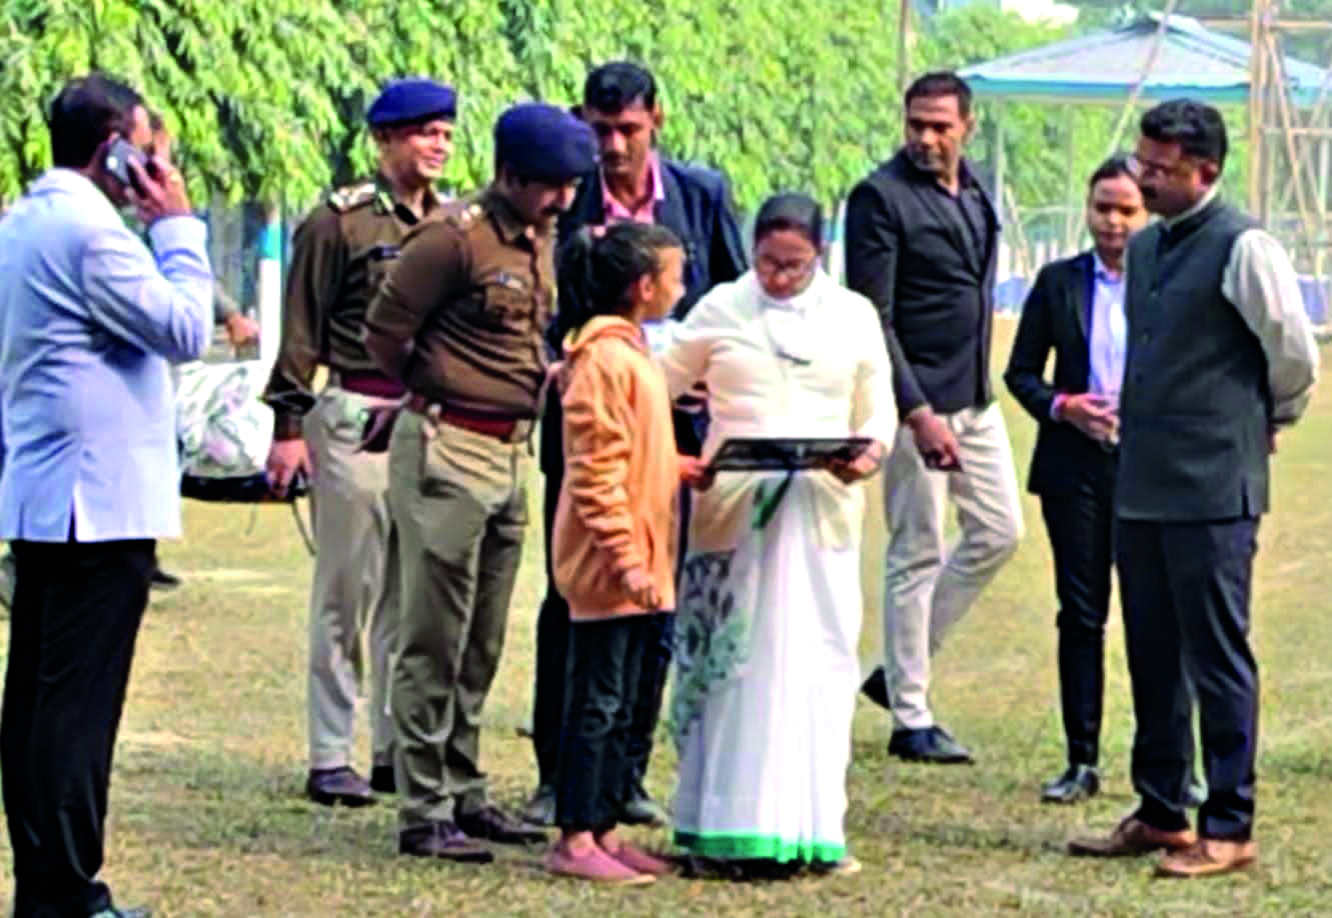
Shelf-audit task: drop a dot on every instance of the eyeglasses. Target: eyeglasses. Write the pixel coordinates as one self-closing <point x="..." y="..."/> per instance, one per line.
<point x="793" y="269"/>
<point x="1141" y="168"/>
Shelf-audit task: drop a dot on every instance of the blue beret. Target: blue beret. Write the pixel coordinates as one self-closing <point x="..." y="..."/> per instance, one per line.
<point x="406" y="101"/>
<point x="545" y="143"/>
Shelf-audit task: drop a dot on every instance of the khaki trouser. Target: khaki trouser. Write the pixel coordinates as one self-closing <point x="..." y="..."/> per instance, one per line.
<point x="459" y="500"/>
<point x="927" y="587"/>
<point x="355" y="581"/>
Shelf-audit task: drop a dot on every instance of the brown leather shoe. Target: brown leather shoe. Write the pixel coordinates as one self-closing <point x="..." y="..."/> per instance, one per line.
<point x="1208" y="857"/>
<point x="1131" y="838"/>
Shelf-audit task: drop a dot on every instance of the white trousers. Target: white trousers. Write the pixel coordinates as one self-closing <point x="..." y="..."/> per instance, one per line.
<point x="928" y="586"/>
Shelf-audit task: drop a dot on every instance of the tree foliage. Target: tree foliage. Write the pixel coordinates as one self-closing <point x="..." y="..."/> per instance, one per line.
<point x="242" y="85"/>
<point x="267" y="97"/>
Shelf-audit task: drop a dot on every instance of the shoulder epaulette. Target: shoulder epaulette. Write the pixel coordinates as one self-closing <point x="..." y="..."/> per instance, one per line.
<point x="352" y="196"/>
<point x="463" y="214"/>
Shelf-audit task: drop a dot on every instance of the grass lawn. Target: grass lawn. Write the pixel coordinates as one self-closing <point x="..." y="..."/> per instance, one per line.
<point x="207" y="816"/>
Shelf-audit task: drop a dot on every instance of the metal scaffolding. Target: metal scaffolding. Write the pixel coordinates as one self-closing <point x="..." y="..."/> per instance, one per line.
<point x="1289" y="144"/>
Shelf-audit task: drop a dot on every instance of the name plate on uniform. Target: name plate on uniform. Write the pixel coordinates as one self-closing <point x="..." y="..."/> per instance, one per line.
<point x="786" y="454"/>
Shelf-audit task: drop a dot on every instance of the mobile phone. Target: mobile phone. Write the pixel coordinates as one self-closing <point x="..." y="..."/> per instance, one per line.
<point x="119" y="155"/>
<point x="934" y="460"/>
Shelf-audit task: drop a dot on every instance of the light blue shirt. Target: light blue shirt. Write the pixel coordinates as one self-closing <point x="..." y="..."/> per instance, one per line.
<point x="1108" y="332"/>
<point x="89" y="321"/>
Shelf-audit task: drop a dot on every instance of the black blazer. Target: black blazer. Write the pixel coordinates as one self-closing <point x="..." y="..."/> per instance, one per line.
<point x="696" y="206"/>
<point x="910" y="254"/>
<point x="1056" y="314"/>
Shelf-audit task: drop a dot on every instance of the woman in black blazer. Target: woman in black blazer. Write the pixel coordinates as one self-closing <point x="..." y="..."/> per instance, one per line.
<point x="1076" y="307"/>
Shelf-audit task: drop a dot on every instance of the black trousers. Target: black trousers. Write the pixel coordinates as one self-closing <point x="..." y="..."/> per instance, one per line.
<point x="1080" y="526"/>
<point x="1186" y="590"/>
<point x="595" y="772"/>
<point x="552" y="637"/>
<point x="75" y="618"/>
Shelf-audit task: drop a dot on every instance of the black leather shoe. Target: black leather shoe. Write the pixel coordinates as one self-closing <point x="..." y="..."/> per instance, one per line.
<point x="491" y="823"/>
<point x="930" y="744"/>
<point x="540" y="810"/>
<point x="163" y="580"/>
<point x="640" y="809"/>
<point x="444" y="841"/>
<point x="1078" y="783"/>
<point x="875" y="688"/>
<point x="334" y="786"/>
<point x="382" y="780"/>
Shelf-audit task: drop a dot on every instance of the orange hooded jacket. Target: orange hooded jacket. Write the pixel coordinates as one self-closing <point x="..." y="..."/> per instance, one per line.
<point x="618" y="506"/>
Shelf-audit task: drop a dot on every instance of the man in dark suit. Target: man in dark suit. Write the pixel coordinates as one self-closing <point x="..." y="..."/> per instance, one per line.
<point x="634" y="182"/>
<point x="921" y="243"/>
<point x="1220" y="357"/>
<point x="1076" y="307"/>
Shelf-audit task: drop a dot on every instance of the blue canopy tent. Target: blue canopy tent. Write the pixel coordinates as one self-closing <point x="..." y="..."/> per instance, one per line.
<point x="1153" y="58"/>
<point x="1104" y="66"/>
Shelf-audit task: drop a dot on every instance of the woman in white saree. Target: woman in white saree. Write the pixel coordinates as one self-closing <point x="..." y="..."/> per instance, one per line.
<point x="770" y="604"/>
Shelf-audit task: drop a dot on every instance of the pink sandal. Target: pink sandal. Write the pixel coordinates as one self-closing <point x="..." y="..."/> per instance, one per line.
<point x="638" y="860"/>
<point x="594" y="865"/>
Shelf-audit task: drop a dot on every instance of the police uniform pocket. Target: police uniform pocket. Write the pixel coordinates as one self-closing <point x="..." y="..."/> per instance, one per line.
<point x="458" y="462"/>
<point x="507" y="305"/>
<point x="506" y="299"/>
<point x="379" y="260"/>
<point x="344" y="415"/>
<point x="438" y="476"/>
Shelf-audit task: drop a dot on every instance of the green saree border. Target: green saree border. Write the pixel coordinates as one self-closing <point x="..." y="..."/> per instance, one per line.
<point x="753" y="846"/>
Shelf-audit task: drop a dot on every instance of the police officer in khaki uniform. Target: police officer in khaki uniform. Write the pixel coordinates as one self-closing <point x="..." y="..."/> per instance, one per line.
<point x="340" y="254"/>
<point x="460" y="321"/>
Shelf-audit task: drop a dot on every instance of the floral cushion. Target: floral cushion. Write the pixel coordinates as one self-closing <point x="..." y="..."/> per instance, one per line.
<point x="225" y="431"/>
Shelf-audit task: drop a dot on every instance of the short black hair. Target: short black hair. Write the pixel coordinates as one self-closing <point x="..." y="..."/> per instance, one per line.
<point x="613" y="87"/>
<point x="1114" y="167"/>
<point x="937" y="84"/>
<point x="87" y="111"/>
<point x="790" y="210"/>
<point x="1197" y="127"/>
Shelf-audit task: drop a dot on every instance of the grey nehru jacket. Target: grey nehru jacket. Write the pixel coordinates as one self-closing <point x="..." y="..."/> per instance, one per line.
<point x="1220" y="353"/>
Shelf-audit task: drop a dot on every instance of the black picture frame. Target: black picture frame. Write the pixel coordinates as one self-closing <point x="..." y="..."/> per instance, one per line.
<point x="785" y="454"/>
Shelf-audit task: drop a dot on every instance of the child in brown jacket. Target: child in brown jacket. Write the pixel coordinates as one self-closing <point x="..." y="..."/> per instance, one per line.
<point x="614" y="535"/>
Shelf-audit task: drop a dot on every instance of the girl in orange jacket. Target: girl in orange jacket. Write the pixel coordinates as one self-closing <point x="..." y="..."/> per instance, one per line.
<point x="614" y="538"/>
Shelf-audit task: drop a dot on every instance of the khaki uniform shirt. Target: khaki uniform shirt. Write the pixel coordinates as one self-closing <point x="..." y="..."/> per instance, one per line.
<point x="460" y="319"/>
<point x="340" y="255"/>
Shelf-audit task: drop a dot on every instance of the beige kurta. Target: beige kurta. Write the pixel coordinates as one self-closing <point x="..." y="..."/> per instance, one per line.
<point x="813" y="366"/>
<point x="768" y="622"/>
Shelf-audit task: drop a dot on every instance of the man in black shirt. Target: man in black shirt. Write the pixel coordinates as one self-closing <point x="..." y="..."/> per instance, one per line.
<point x="922" y="238"/>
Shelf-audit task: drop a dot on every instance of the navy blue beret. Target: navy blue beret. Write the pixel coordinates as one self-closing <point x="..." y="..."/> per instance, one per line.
<point x="406" y="101"/>
<point x="545" y="143"/>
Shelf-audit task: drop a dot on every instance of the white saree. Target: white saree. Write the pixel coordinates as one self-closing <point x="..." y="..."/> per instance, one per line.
<point x="769" y="612"/>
